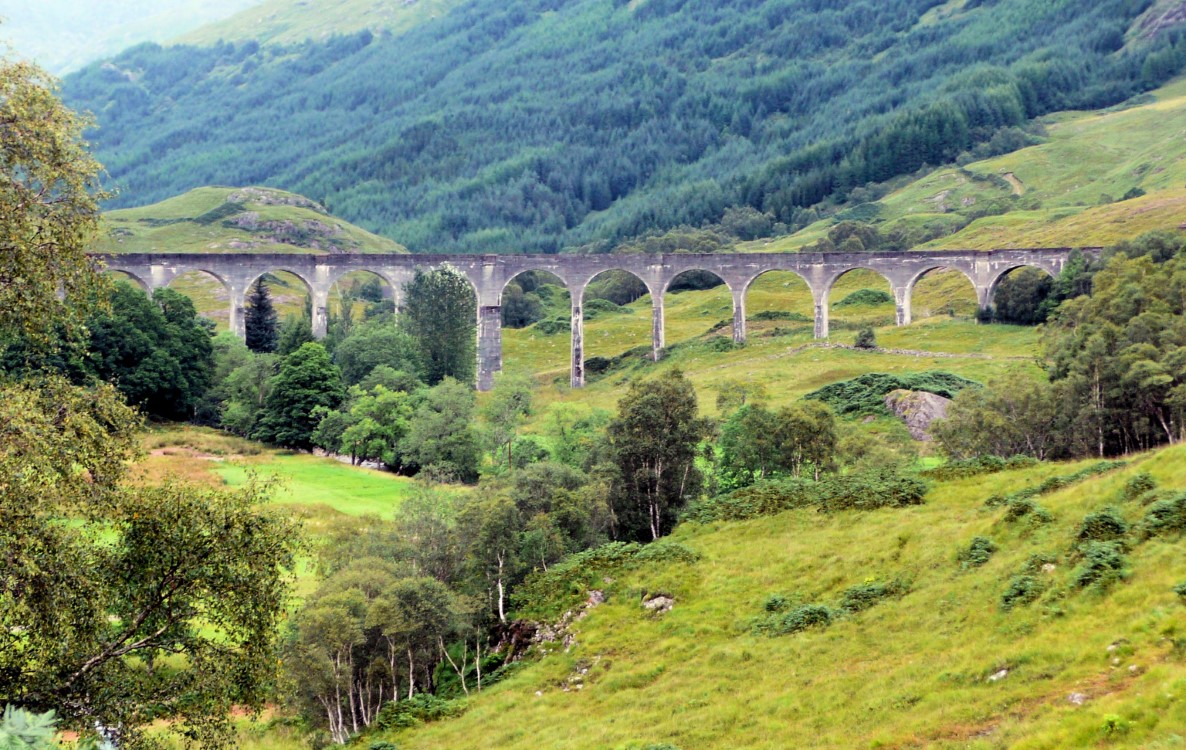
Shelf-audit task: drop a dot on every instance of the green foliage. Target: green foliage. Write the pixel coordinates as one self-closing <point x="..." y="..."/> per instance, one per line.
<point x="800" y="618"/>
<point x="21" y="730"/>
<point x="307" y="381"/>
<point x="863" y="491"/>
<point x="294" y="332"/>
<point x="1165" y="517"/>
<point x="667" y="551"/>
<point x="978" y="466"/>
<point x="978" y="552"/>
<point x="1019" y="297"/>
<point x="1105" y="525"/>
<point x="653" y="443"/>
<point x="1103" y="563"/>
<point x="866" y="394"/>
<point x="866" y="297"/>
<point x="865" y="595"/>
<point x="157" y="351"/>
<point x="723" y="82"/>
<point x="766" y="315"/>
<point x="1022" y="590"/>
<point x="440" y="314"/>
<point x="544" y="595"/>
<point x="419" y="709"/>
<point x="374" y="343"/>
<point x="594" y="308"/>
<point x="441" y="437"/>
<point x="552" y="326"/>
<point x="1116" y="356"/>
<point x="259" y="319"/>
<point x="866" y="339"/>
<point x="1018" y="508"/>
<point x="1141" y="484"/>
<point x="1180" y="590"/>
<point x="756" y="442"/>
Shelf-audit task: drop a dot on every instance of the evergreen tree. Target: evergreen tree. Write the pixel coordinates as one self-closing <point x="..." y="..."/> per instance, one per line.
<point x="260" y="319"/>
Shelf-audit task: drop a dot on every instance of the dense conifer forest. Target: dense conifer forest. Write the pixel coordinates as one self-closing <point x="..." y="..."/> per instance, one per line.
<point x="551" y="124"/>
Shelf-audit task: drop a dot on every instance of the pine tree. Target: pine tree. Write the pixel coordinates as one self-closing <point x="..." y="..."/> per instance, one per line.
<point x="260" y="319"/>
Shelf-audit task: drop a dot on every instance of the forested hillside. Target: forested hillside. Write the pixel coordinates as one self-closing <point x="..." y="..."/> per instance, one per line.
<point x="558" y="123"/>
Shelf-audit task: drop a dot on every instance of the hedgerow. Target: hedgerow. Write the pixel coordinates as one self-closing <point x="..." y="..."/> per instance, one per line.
<point x="866" y="394"/>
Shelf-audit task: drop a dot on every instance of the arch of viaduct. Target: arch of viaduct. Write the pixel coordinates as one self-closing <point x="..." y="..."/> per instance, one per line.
<point x="490" y="274"/>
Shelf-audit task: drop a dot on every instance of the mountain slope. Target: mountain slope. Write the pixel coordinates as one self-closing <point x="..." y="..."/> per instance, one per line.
<point x="944" y="665"/>
<point x="553" y="123"/>
<point x="291" y="21"/>
<point x="236" y="220"/>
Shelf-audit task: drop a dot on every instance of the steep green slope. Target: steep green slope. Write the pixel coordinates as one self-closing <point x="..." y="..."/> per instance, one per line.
<point x="236" y="220"/>
<point x="1069" y="190"/>
<point x="290" y="21"/>
<point x="553" y="123"/>
<point x="945" y="665"/>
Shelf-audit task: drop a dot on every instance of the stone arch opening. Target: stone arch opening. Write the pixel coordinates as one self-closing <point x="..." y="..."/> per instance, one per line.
<point x="696" y="302"/>
<point x="209" y="293"/>
<point x="858" y="298"/>
<point x="1017" y="295"/>
<point x="292" y="295"/>
<point x="355" y="296"/>
<point x="942" y="291"/>
<point x="617" y="319"/>
<point x="778" y="303"/>
<point x="118" y="275"/>
<point x="536" y="318"/>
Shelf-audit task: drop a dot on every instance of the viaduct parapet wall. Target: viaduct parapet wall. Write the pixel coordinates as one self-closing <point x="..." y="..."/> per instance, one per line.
<point x="490" y="274"/>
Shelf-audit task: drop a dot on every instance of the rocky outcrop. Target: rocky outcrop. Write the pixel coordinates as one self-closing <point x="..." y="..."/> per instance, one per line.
<point x="917" y="409"/>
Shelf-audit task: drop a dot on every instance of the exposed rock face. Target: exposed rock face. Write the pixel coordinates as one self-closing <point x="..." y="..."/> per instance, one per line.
<point x="917" y="409"/>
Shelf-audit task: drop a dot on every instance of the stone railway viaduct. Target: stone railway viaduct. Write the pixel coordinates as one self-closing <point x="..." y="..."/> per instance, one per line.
<point x="490" y="274"/>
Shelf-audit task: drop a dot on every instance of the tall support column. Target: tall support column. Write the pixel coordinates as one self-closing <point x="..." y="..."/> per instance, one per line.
<point x="902" y="300"/>
<point x="578" y="342"/>
<point x="320" y="313"/>
<point x="821" y="313"/>
<point x="489" y="345"/>
<point x="238" y="319"/>
<point x="738" y="315"/>
<point x="657" y="342"/>
<point x="984" y="298"/>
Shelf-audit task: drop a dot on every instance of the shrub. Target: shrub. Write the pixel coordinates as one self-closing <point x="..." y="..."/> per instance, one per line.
<point x="870" y="490"/>
<point x="1102" y="526"/>
<point x="862" y="491"/>
<point x="1165" y="517"/>
<point x="866" y="339"/>
<point x="798" y="619"/>
<point x="552" y="326"/>
<point x="765" y="315"/>
<point x="778" y="603"/>
<point x="1103" y="564"/>
<point x="382" y="745"/>
<point x="1140" y="485"/>
<point x="421" y="708"/>
<point x="971" y="467"/>
<point x="667" y="551"/>
<point x="866" y="297"/>
<point x="546" y="594"/>
<point x="977" y="553"/>
<point x="1025" y="507"/>
<point x="1022" y="590"/>
<point x="865" y="595"/>
<point x="597" y="307"/>
<point x="1180" y="590"/>
<point x="866" y="394"/>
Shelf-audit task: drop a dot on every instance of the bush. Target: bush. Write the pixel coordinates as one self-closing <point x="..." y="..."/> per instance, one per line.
<point x="664" y="551"/>
<point x="798" y="619"/>
<point x="546" y="594"/>
<point x="1165" y="517"/>
<point x="382" y="745"/>
<point x="1180" y="590"/>
<point x="421" y="708"/>
<point x="778" y="315"/>
<point x="552" y="326"/>
<point x="865" y="595"/>
<point x="1022" y="590"/>
<point x="866" y="339"/>
<point x="1103" y="526"/>
<point x="779" y="603"/>
<point x="866" y="394"/>
<point x="971" y="467"/>
<point x="1137" y="487"/>
<point x="977" y="553"/>
<point x="863" y="491"/>
<point x="1022" y="507"/>
<point x="597" y="307"/>
<point x="865" y="297"/>
<point x="1103" y="564"/>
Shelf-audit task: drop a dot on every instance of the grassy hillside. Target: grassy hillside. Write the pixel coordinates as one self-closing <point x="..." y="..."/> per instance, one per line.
<point x="1066" y="191"/>
<point x="236" y="220"/>
<point x="290" y="21"/>
<point x="942" y="666"/>
<point x="541" y="124"/>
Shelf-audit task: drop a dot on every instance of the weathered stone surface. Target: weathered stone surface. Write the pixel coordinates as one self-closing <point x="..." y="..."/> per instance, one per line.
<point x="917" y="409"/>
<point x="489" y="275"/>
